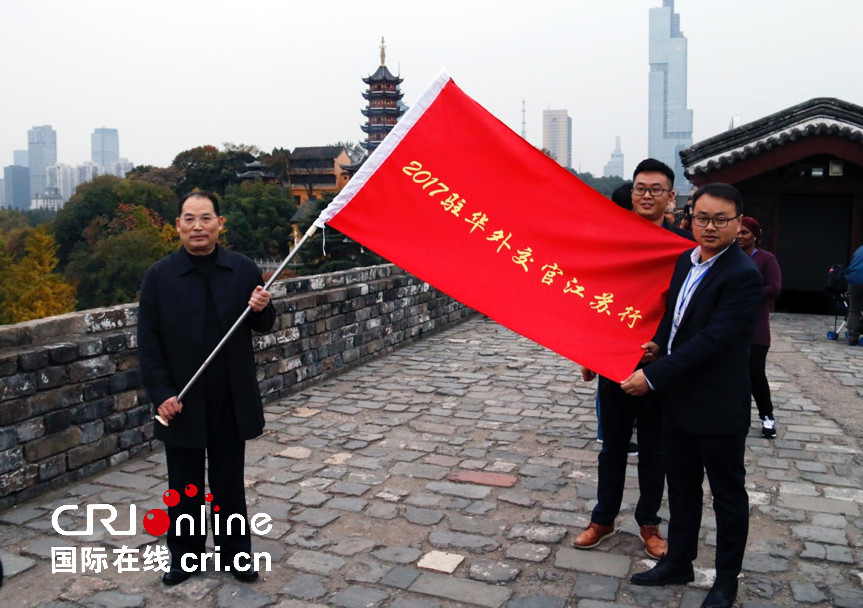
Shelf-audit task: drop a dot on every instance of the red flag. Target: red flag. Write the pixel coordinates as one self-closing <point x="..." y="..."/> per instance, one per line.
<point x="455" y="197"/>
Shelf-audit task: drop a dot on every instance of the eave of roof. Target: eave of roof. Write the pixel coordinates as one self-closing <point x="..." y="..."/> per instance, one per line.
<point x="819" y="116"/>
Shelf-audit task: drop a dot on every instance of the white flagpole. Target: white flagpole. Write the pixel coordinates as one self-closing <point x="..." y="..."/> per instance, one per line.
<point x="238" y="322"/>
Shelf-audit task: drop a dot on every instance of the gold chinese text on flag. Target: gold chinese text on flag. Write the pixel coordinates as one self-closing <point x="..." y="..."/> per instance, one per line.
<point x="458" y="199"/>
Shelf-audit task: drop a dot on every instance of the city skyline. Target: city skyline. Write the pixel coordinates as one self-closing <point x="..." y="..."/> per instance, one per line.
<point x="259" y="78"/>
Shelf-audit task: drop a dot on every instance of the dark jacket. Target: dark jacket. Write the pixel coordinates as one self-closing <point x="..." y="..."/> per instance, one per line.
<point x="705" y="379"/>
<point x="171" y="341"/>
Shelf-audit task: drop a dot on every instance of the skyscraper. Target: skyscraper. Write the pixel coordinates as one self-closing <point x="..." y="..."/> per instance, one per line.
<point x="104" y="146"/>
<point x="557" y="135"/>
<point x="614" y="166"/>
<point x="42" y="153"/>
<point x="669" y="121"/>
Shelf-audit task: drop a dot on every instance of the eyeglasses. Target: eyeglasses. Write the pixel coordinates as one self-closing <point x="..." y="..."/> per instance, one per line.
<point x="654" y="190"/>
<point x="191" y="220"/>
<point x="718" y="222"/>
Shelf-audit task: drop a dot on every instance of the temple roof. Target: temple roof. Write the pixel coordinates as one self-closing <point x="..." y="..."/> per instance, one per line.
<point x="818" y="116"/>
<point x="382" y="73"/>
<point x="316" y="152"/>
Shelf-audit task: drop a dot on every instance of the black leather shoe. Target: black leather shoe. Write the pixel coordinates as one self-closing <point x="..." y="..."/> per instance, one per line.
<point x="245" y="576"/>
<point x="722" y="594"/>
<point x="664" y="573"/>
<point x="175" y="576"/>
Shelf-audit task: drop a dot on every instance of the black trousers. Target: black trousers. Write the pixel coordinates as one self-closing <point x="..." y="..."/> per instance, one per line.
<point x="688" y="456"/>
<point x="758" y="379"/>
<point x="224" y="457"/>
<point x="617" y="412"/>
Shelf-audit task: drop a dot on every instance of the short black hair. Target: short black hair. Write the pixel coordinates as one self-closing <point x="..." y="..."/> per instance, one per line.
<point x="622" y="195"/>
<point x="203" y="194"/>
<point x="721" y="190"/>
<point x="651" y="164"/>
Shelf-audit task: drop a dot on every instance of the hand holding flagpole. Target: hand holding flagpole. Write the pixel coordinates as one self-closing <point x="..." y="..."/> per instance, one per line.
<point x="237" y="323"/>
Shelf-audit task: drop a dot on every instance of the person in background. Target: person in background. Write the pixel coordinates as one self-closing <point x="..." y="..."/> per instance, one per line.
<point x="854" y="276"/>
<point x="748" y="237"/>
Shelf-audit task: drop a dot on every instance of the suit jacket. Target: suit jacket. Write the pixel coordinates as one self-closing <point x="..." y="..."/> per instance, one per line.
<point x="171" y="341"/>
<point x="705" y="379"/>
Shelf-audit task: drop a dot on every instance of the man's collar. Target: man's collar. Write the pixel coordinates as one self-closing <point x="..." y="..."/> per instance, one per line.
<point x="695" y="256"/>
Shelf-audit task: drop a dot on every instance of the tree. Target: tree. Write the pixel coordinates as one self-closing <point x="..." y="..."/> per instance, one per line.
<point x="31" y="289"/>
<point x="354" y="149"/>
<point x="329" y="250"/>
<point x="603" y="185"/>
<point x="115" y="254"/>
<point x="258" y="219"/>
<point x="207" y="168"/>
<point x="101" y="198"/>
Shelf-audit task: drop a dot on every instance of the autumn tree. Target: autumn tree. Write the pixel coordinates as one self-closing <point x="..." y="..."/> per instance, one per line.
<point x="115" y="252"/>
<point x="208" y="168"/>
<point x="30" y="287"/>
<point x="101" y="197"/>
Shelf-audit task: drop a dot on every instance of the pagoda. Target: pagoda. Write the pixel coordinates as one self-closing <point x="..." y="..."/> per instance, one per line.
<point x="385" y="106"/>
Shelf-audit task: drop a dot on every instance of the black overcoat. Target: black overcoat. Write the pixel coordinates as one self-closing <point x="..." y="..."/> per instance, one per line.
<point x="171" y="341"/>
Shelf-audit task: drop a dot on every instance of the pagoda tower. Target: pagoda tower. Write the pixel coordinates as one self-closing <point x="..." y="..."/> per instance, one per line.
<point x="385" y="107"/>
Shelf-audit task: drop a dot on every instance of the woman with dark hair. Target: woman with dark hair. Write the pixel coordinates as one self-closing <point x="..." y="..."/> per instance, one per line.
<point x="748" y="236"/>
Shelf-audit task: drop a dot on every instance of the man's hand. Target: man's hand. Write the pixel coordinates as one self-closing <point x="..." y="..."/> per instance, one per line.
<point x="259" y="299"/>
<point x="169" y="408"/>
<point x="636" y="385"/>
<point x="651" y="352"/>
<point x="587" y="374"/>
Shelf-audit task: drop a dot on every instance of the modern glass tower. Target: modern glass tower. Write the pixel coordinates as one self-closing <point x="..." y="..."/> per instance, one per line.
<point x="104" y="146"/>
<point x="557" y="135"/>
<point x="669" y="120"/>
<point x="42" y="153"/>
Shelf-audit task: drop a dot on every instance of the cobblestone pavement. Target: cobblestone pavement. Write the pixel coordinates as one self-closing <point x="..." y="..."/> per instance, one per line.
<point x="390" y="486"/>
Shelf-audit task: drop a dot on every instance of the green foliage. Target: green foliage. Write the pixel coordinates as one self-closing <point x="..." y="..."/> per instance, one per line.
<point x="29" y="287"/>
<point x="101" y="197"/>
<point x="207" y="168"/>
<point x="329" y="250"/>
<point x="603" y="185"/>
<point x="258" y="219"/>
<point x="115" y="252"/>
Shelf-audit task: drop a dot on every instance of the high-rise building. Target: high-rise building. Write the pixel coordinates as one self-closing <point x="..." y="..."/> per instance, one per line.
<point x="557" y="135"/>
<point x="614" y="166"/>
<point x="669" y="120"/>
<point x="105" y="146"/>
<point x="16" y="187"/>
<point x="20" y="158"/>
<point x="42" y="153"/>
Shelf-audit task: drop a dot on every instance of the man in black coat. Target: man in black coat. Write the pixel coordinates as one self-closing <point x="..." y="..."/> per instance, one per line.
<point x="189" y="300"/>
<point x="700" y="359"/>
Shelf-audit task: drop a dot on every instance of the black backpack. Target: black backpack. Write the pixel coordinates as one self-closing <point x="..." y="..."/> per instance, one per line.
<point x="837" y="283"/>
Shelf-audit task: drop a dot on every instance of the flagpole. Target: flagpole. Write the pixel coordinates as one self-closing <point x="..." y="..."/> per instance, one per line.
<point x="238" y="322"/>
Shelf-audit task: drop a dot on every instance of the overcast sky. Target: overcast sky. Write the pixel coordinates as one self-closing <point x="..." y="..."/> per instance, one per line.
<point x="176" y="74"/>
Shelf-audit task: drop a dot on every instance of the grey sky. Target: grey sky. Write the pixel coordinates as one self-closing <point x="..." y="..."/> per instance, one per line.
<point x="175" y="74"/>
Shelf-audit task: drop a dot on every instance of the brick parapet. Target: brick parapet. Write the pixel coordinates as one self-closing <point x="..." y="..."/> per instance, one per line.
<point x="71" y="401"/>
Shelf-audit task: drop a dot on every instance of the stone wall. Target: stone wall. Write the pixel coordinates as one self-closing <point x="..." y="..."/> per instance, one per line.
<point x="71" y="402"/>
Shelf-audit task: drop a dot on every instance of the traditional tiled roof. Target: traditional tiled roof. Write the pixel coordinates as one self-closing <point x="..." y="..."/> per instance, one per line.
<point x="316" y="152"/>
<point x="382" y="73"/>
<point x="819" y="116"/>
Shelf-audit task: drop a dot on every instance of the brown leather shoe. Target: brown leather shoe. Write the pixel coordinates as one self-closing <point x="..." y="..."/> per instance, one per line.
<point x="592" y="536"/>
<point x="654" y="545"/>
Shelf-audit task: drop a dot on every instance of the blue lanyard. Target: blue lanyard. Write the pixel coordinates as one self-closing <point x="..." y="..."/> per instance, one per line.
<point x="687" y="293"/>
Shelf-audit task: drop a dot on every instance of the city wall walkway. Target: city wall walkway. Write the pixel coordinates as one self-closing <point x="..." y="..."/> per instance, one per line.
<point x="454" y="472"/>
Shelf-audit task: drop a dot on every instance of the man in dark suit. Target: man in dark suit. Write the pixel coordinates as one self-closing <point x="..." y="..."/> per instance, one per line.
<point x="189" y="300"/>
<point x="651" y="191"/>
<point x="699" y="364"/>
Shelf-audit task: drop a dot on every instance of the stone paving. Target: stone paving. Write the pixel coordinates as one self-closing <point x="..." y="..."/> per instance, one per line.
<point x="454" y="472"/>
